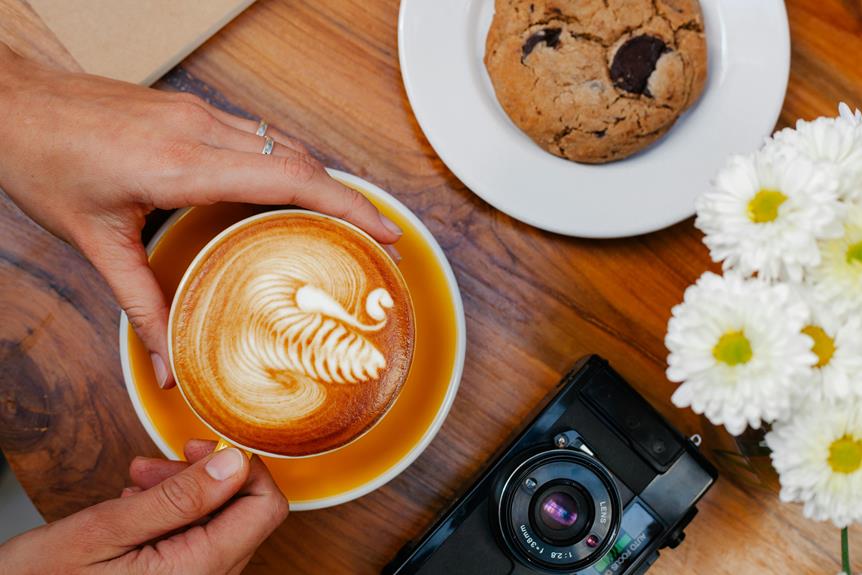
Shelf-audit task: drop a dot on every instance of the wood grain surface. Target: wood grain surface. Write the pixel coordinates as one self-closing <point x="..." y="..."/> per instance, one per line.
<point x="327" y="72"/>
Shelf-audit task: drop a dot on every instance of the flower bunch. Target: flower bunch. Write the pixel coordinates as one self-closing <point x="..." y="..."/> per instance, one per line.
<point x="777" y="338"/>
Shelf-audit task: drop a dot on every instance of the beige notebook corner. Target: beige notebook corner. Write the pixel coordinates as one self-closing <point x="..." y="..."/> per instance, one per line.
<point x="134" y="40"/>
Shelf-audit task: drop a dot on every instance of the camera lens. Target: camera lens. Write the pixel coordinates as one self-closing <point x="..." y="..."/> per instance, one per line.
<point x="559" y="511"/>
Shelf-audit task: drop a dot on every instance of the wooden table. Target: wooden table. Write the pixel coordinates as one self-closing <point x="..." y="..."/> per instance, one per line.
<point x="327" y="72"/>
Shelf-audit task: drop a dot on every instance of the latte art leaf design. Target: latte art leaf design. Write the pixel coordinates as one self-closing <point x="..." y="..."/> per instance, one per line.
<point x="298" y="337"/>
<point x="323" y="340"/>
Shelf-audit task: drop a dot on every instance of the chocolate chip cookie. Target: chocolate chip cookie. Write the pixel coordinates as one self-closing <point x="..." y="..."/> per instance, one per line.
<point x="596" y="80"/>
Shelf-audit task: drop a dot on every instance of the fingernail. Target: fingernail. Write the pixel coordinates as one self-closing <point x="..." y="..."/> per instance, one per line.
<point x="160" y="369"/>
<point x="391" y="226"/>
<point x="393" y="252"/>
<point x="224" y="464"/>
<point x="130" y="491"/>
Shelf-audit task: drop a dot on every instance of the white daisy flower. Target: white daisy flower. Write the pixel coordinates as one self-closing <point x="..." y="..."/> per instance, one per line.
<point x="837" y="280"/>
<point x="832" y="143"/>
<point x="836" y="340"/>
<point x="818" y="456"/>
<point x="765" y="213"/>
<point x="736" y="346"/>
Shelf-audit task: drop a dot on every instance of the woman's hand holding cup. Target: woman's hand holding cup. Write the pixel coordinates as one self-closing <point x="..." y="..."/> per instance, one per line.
<point x="88" y="158"/>
<point x="207" y="515"/>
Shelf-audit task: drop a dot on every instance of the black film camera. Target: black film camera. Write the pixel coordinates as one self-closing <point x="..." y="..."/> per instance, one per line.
<point x="596" y="482"/>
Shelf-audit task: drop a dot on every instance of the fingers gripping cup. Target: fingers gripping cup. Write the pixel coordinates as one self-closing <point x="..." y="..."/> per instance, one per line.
<point x="291" y="333"/>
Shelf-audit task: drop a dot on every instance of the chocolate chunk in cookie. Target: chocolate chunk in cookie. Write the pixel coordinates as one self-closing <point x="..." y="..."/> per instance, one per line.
<point x="635" y="62"/>
<point x="550" y="36"/>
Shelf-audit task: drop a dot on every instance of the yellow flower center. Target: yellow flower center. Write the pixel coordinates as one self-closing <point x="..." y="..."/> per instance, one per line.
<point x="733" y="348"/>
<point x="763" y="207"/>
<point x="854" y="253"/>
<point x="824" y="346"/>
<point x="845" y="454"/>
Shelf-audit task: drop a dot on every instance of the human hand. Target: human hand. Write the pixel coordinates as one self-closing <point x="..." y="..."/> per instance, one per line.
<point x="88" y="158"/>
<point x="203" y="517"/>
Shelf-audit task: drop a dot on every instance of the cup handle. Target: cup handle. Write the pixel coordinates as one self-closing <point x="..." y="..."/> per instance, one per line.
<point x="222" y="444"/>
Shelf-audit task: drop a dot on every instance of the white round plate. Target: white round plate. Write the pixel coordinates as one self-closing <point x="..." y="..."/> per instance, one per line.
<point x="441" y="45"/>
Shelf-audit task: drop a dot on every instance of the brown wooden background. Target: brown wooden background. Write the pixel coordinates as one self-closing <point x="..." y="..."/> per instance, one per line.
<point x="327" y="72"/>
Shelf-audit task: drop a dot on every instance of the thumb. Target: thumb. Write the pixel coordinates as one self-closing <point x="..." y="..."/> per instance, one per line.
<point x="174" y="503"/>
<point x="123" y="263"/>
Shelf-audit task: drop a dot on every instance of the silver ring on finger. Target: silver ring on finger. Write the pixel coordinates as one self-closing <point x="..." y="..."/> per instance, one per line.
<point x="268" y="144"/>
<point x="262" y="127"/>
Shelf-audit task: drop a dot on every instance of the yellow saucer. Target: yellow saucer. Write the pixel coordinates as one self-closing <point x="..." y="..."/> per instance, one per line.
<point x="398" y="439"/>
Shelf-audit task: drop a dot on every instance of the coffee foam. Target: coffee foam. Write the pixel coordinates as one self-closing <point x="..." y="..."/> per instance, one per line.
<point x="293" y="335"/>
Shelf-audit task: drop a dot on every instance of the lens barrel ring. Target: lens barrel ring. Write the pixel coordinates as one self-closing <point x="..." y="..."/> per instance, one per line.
<point x="530" y="483"/>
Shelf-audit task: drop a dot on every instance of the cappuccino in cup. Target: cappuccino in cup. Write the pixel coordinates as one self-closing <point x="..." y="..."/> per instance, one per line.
<point x="291" y="333"/>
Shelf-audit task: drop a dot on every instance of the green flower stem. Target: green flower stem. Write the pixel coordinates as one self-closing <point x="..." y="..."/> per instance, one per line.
<point x="845" y="551"/>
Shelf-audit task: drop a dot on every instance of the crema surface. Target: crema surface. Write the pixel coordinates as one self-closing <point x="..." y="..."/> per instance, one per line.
<point x="293" y="335"/>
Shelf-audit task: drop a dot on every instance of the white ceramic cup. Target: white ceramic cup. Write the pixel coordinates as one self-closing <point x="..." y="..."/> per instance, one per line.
<point x="189" y="274"/>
